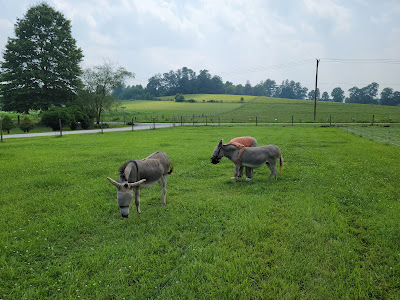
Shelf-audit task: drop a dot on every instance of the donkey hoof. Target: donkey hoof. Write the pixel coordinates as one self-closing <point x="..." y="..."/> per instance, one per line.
<point x="248" y="179"/>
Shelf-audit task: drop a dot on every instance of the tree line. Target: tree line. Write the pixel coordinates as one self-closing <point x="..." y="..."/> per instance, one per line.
<point x="41" y="71"/>
<point x="186" y="81"/>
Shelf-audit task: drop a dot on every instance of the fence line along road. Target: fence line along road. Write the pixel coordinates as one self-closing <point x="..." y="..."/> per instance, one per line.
<point x="142" y="126"/>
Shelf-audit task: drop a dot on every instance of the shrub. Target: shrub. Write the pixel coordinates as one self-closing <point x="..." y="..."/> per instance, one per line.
<point x="79" y="117"/>
<point x="51" y="117"/>
<point x="26" y="124"/>
<point x="7" y="124"/>
<point x="179" y="98"/>
<point x="70" y="116"/>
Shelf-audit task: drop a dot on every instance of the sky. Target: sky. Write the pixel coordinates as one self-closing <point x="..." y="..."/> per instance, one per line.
<point x="357" y="41"/>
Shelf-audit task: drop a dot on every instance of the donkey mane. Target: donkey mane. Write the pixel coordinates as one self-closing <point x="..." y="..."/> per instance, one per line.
<point x="122" y="169"/>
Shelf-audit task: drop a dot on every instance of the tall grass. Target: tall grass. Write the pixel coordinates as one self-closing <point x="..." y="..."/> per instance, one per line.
<point x="327" y="228"/>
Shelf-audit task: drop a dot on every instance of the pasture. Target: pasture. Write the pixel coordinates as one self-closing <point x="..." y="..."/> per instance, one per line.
<point x="265" y="109"/>
<point x="329" y="227"/>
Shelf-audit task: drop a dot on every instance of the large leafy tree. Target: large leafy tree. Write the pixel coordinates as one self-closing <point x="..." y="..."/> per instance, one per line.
<point x="365" y="95"/>
<point x="337" y="94"/>
<point x="99" y="83"/>
<point x="291" y="90"/>
<point x="388" y="97"/>
<point x="41" y="64"/>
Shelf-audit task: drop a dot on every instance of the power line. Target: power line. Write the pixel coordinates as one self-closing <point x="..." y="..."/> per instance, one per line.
<point x="394" y="61"/>
<point x="268" y="68"/>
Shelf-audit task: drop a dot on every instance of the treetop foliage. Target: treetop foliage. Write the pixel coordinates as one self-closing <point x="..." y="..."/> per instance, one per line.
<point x="41" y="64"/>
<point x="186" y="81"/>
<point x="99" y="83"/>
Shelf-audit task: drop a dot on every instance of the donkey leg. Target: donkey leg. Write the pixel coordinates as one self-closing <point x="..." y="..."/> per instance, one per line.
<point x="163" y="185"/>
<point x="237" y="172"/>
<point x="137" y="199"/>
<point x="272" y="167"/>
<point x="240" y="171"/>
<point x="249" y="173"/>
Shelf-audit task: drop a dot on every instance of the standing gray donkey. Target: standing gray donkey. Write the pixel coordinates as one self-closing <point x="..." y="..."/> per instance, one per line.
<point x="253" y="157"/>
<point x="240" y="143"/>
<point x="135" y="174"/>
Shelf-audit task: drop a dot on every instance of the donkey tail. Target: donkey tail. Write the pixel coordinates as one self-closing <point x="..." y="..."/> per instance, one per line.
<point x="171" y="169"/>
<point x="281" y="164"/>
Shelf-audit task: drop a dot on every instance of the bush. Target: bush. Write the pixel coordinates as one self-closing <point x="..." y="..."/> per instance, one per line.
<point x="70" y="116"/>
<point x="7" y="123"/>
<point x="79" y="117"/>
<point x="179" y="98"/>
<point x="26" y="124"/>
<point x="52" y="117"/>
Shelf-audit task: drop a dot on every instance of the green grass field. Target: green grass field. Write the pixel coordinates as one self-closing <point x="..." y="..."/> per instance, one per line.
<point x="328" y="228"/>
<point x="232" y="110"/>
<point x="265" y="109"/>
<point x="164" y="111"/>
<point x="216" y="97"/>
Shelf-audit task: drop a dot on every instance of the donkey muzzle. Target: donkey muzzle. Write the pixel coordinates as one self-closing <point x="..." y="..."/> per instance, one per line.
<point x="124" y="211"/>
<point x="215" y="160"/>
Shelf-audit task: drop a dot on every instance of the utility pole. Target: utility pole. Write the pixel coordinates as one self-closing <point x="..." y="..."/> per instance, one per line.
<point x="315" y="92"/>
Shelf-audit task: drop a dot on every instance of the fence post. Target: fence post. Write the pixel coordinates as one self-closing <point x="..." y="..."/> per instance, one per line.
<point x="256" y="121"/>
<point x="373" y="119"/>
<point x="330" y="120"/>
<point x="132" y="124"/>
<point x="292" y="120"/>
<point x="101" y="126"/>
<point x="206" y="120"/>
<point x="219" y="121"/>
<point x="181" y="120"/>
<point x="154" y="123"/>
<point x="59" y="123"/>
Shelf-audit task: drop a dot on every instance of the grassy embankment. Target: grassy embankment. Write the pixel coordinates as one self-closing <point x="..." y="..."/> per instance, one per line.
<point x="327" y="228"/>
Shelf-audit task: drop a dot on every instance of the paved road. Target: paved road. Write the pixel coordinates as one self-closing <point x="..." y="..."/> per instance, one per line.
<point x="142" y="126"/>
<point x="138" y="126"/>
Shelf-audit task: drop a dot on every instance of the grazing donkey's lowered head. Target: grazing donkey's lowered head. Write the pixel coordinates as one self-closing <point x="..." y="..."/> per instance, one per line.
<point x="135" y="174"/>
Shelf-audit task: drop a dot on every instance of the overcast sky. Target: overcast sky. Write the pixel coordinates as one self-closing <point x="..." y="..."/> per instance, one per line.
<point x="358" y="41"/>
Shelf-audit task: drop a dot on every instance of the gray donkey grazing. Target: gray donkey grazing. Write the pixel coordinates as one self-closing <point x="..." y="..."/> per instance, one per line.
<point x="253" y="157"/>
<point x="135" y="174"/>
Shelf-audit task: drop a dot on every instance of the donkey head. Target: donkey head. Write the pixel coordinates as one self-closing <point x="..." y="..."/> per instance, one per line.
<point x="125" y="194"/>
<point x="218" y="153"/>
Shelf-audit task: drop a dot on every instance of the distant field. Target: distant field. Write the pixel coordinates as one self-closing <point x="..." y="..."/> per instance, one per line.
<point x="229" y="108"/>
<point x="165" y="110"/>
<point x="328" y="228"/>
<point x="209" y="97"/>
<point x="265" y="109"/>
<point x="281" y="110"/>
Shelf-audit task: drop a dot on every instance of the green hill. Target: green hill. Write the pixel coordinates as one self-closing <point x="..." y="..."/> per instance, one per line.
<point x="230" y="108"/>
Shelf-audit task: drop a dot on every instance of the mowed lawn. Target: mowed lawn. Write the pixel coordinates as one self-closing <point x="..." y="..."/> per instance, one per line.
<point x="328" y="228"/>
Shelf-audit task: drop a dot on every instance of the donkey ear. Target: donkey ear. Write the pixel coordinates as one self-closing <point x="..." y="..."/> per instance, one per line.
<point x="220" y="143"/>
<point x="114" y="182"/>
<point x="127" y="171"/>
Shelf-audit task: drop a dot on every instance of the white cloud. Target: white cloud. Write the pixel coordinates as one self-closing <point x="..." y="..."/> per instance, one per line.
<point x="381" y="19"/>
<point x="338" y="15"/>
